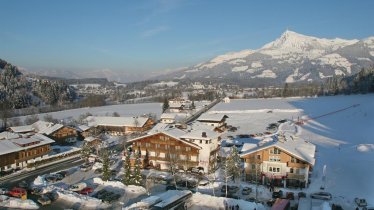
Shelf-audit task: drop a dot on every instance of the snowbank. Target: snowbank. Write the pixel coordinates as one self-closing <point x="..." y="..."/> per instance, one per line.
<point x="136" y="189"/>
<point x="116" y="184"/>
<point x="203" y="201"/>
<point x="11" y="202"/>
<point x="365" y="148"/>
<point x="40" y="181"/>
<point x="84" y="200"/>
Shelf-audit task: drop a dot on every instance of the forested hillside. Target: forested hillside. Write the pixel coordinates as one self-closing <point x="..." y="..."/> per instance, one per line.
<point x="18" y="91"/>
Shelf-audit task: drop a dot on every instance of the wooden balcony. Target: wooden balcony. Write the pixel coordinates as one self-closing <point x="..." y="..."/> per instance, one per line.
<point x="296" y="165"/>
<point x="295" y="176"/>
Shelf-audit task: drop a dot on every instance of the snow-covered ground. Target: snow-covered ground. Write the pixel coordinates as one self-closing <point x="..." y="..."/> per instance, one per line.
<point x="125" y="110"/>
<point x="344" y="139"/>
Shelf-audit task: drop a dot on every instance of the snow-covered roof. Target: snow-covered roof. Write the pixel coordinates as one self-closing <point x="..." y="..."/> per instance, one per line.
<point x="247" y="147"/>
<point x="51" y="129"/>
<point x="199" y="134"/>
<point x="116" y="121"/>
<point x="38" y="127"/>
<point x="22" y="129"/>
<point x="216" y="117"/>
<point x="8" y="135"/>
<point x="297" y="147"/>
<point x="13" y="145"/>
<point x="90" y="138"/>
<point x="168" y="116"/>
<point x="83" y="127"/>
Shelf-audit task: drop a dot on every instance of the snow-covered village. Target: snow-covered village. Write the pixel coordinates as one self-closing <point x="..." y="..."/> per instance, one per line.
<point x="187" y="105"/>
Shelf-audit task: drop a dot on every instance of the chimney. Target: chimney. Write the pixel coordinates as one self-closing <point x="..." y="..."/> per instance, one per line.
<point x="203" y="134"/>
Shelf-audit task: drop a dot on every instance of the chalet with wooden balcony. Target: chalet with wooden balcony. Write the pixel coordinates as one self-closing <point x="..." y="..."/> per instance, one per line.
<point x="168" y="146"/>
<point x="283" y="162"/>
<point x="58" y="132"/>
<point x="119" y="126"/>
<point x="16" y="152"/>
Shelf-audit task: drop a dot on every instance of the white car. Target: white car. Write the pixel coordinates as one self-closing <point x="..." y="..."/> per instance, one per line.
<point x="78" y="187"/>
<point x="361" y="202"/>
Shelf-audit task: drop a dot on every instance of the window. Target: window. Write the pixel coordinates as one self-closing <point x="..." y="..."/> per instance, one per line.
<point x="157" y="146"/>
<point x="177" y="147"/>
<point x="278" y="169"/>
<point x="162" y="138"/>
<point x="274" y="158"/>
<point x="258" y="157"/>
<point x="167" y="146"/>
<point x="270" y="168"/>
<point x="275" y="151"/>
<point x="188" y="149"/>
<point x="253" y="166"/>
<point x="166" y="138"/>
<point x="147" y="145"/>
<point x="139" y="143"/>
<point x="206" y="142"/>
<point x="291" y="170"/>
<point x="201" y="141"/>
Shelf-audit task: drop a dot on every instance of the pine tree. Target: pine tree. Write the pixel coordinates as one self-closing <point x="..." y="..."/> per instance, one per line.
<point x="85" y="152"/>
<point x="146" y="159"/>
<point x="165" y="106"/>
<point x="127" y="180"/>
<point x="137" y="174"/>
<point x="106" y="171"/>
<point x="234" y="164"/>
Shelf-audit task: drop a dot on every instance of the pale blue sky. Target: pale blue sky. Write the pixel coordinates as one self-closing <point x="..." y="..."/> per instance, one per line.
<point x="139" y="35"/>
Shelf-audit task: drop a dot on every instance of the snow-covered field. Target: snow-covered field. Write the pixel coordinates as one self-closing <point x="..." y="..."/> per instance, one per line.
<point x="125" y="110"/>
<point x="344" y="139"/>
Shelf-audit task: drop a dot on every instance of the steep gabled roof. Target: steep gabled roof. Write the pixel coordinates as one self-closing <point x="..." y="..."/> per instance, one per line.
<point x="298" y="148"/>
<point x="174" y="134"/>
<point x="212" y="117"/>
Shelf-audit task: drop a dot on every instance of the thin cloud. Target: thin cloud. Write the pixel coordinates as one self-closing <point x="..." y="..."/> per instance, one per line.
<point x="154" y="31"/>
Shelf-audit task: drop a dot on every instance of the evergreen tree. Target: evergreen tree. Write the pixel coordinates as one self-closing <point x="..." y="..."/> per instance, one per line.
<point x="193" y="105"/>
<point x="165" y="106"/>
<point x="137" y="174"/>
<point x="127" y="179"/>
<point x="85" y="152"/>
<point x="106" y="169"/>
<point x="146" y="159"/>
<point x="234" y="164"/>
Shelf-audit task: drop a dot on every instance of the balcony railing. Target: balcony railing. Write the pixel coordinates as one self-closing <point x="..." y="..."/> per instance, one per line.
<point x="295" y="176"/>
<point x="296" y="165"/>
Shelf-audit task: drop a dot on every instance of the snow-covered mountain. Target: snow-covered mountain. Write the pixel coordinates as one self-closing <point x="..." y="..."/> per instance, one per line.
<point x="291" y="58"/>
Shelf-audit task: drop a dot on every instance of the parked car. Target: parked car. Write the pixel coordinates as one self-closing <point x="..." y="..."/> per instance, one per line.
<point x="98" y="171"/>
<point x="290" y="196"/>
<point x="232" y="196"/>
<point x="101" y="194"/>
<point x="203" y="182"/>
<point x="301" y="195"/>
<point x="246" y="190"/>
<point x="86" y="167"/>
<point x="171" y="187"/>
<point x="3" y="191"/>
<point x="277" y="194"/>
<point x="58" y="177"/>
<point x="50" y="178"/>
<point x="78" y="187"/>
<point x="86" y="191"/>
<point x="361" y="202"/>
<point x="52" y="195"/>
<point x="23" y="184"/>
<point x="111" y="197"/>
<point x="270" y="202"/>
<point x="44" y="200"/>
<point x="63" y="173"/>
<point x="17" y="192"/>
<point x="321" y="195"/>
<point x="230" y="189"/>
<point x="36" y="190"/>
